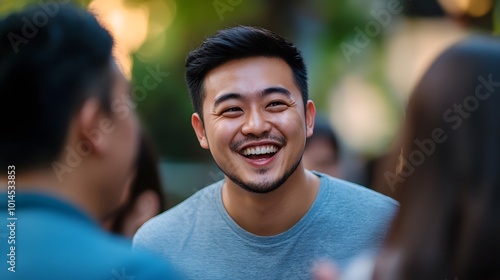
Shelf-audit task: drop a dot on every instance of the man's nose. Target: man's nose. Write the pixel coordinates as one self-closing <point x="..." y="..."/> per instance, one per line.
<point x="255" y="123"/>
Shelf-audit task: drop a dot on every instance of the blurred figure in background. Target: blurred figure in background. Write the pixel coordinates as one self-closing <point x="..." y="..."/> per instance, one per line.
<point x="69" y="143"/>
<point x="448" y="179"/>
<point x="143" y="197"/>
<point x="448" y="223"/>
<point x="322" y="152"/>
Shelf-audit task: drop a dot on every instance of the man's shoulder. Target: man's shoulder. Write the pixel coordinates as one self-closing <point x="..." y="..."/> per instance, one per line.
<point x="360" y="214"/>
<point x="117" y="258"/>
<point x="353" y="200"/>
<point x="199" y="202"/>
<point x="137" y="263"/>
<point x="350" y="191"/>
<point x="172" y="221"/>
<point x="80" y="244"/>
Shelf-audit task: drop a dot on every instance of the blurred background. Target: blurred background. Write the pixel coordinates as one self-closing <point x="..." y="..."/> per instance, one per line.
<point x="363" y="57"/>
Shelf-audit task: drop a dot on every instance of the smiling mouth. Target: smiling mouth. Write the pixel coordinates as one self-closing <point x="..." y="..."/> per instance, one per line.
<point x="260" y="152"/>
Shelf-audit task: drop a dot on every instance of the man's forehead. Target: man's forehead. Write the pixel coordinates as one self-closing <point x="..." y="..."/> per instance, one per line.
<point x="249" y="64"/>
<point x="248" y="76"/>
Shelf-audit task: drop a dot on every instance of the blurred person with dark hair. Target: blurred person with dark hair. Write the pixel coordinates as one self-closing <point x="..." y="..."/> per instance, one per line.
<point x="322" y="152"/>
<point x="69" y="143"/>
<point x="448" y="179"/>
<point x="269" y="218"/>
<point x="143" y="197"/>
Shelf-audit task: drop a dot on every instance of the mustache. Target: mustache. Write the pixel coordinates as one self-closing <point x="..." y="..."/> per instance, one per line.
<point x="235" y="146"/>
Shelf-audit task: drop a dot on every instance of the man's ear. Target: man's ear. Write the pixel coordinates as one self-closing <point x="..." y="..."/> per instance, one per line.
<point x="199" y="129"/>
<point x="310" y="115"/>
<point x="88" y="120"/>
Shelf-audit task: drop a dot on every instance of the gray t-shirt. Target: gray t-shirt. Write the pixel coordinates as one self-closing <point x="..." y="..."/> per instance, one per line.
<point x="200" y="238"/>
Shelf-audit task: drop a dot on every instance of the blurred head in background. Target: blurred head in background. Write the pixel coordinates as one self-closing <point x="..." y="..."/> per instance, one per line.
<point x="322" y="151"/>
<point x="65" y="112"/>
<point x="447" y="180"/>
<point x="143" y="197"/>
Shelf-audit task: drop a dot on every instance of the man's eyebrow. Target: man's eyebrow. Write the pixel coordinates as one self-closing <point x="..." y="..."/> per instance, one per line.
<point x="271" y="90"/>
<point x="238" y="96"/>
<point x="225" y="97"/>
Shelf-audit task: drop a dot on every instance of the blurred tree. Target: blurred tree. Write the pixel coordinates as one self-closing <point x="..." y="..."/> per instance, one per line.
<point x="318" y="27"/>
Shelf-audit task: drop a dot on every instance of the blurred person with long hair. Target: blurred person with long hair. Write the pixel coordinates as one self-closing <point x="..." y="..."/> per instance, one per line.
<point x="448" y="179"/>
<point x="143" y="197"/>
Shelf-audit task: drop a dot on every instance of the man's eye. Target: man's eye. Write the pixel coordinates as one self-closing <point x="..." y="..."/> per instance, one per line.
<point x="276" y="104"/>
<point x="233" y="109"/>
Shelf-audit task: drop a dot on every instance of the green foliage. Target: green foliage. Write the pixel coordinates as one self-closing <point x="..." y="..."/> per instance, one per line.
<point x="317" y="27"/>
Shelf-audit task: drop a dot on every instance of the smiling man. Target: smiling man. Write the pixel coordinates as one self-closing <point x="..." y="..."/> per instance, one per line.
<point x="270" y="218"/>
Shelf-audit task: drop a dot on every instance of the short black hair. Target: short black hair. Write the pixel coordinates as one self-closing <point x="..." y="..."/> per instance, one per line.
<point x="237" y="43"/>
<point x="48" y="68"/>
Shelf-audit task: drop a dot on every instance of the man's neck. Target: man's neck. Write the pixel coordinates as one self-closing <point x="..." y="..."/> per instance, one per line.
<point x="43" y="181"/>
<point x="275" y="212"/>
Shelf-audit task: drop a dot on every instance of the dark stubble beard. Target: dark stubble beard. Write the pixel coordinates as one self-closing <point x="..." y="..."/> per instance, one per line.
<point x="265" y="187"/>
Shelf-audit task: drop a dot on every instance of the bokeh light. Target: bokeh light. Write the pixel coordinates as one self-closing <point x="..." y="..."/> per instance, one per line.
<point x="127" y="24"/>
<point x="361" y="116"/>
<point x="474" y="8"/>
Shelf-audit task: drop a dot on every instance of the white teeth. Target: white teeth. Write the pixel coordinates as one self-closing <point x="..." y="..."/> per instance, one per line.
<point x="261" y="150"/>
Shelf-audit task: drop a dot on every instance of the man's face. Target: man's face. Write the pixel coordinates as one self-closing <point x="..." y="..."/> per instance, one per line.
<point x="121" y="140"/>
<point x="254" y="122"/>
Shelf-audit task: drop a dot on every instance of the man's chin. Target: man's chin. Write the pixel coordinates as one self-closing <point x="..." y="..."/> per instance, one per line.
<point x="259" y="188"/>
<point x="263" y="180"/>
<point x="266" y="184"/>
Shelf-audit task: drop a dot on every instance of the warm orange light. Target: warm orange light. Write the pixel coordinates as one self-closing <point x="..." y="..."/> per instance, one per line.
<point x="475" y="8"/>
<point x="479" y="8"/>
<point x="455" y="7"/>
<point x="161" y="16"/>
<point x="128" y="25"/>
